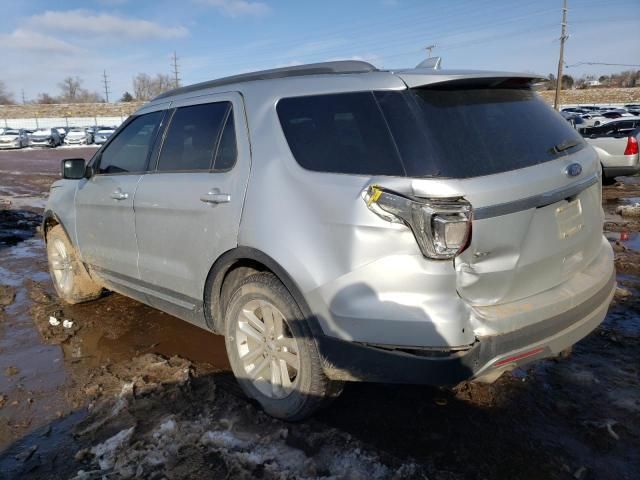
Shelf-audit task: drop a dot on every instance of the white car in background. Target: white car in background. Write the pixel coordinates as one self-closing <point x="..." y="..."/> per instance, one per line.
<point x="593" y="119"/>
<point x="616" y="143"/>
<point x="13" y="138"/>
<point x="77" y="136"/>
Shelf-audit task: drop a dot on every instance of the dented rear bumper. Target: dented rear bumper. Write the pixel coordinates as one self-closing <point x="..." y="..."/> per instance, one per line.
<point x="570" y="312"/>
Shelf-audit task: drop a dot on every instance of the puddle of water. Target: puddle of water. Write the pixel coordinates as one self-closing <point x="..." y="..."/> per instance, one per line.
<point x="112" y="328"/>
<point x="23" y="201"/>
<point x="631" y="200"/>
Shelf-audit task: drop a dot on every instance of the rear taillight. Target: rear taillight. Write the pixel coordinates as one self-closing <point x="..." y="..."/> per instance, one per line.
<point x="442" y="226"/>
<point x="632" y="146"/>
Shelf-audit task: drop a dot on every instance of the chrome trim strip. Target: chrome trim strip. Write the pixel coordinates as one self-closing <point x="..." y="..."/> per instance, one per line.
<point x="535" y="201"/>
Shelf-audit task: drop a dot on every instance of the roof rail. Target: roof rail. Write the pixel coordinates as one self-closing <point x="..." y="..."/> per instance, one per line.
<point x="337" y="67"/>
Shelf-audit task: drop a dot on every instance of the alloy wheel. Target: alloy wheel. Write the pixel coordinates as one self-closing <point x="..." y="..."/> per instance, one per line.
<point x="61" y="267"/>
<point x="268" y="352"/>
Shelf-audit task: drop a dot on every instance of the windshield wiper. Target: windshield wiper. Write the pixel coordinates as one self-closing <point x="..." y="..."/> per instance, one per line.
<point x="566" y="145"/>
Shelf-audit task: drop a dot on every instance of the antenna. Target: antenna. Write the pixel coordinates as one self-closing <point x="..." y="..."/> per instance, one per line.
<point x="428" y="48"/>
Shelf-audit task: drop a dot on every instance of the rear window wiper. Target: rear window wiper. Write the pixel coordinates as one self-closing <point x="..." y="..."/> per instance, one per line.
<point x="566" y="145"/>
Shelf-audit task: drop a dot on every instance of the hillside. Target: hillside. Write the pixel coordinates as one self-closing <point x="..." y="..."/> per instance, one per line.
<point x="595" y="95"/>
<point x="568" y="97"/>
<point x="69" y="110"/>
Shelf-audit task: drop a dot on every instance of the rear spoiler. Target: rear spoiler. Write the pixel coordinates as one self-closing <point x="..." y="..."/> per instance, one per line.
<point x="419" y="77"/>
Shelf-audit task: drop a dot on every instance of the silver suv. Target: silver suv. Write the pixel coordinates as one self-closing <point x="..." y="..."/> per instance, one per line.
<point x="341" y="223"/>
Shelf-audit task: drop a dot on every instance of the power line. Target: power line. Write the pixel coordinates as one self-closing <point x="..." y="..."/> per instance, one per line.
<point x="563" y="37"/>
<point x="105" y="80"/>
<point x="393" y="41"/>
<point x="603" y="63"/>
<point x="176" y="72"/>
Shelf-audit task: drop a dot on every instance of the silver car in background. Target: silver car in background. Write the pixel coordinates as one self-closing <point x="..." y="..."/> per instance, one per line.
<point x="102" y="135"/>
<point x="14" y="138"/>
<point x="616" y="143"/>
<point x="336" y="222"/>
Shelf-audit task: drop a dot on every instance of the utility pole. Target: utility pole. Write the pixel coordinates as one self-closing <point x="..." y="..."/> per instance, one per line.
<point x="428" y="49"/>
<point x="176" y="72"/>
<point x="105" y="80"/>
<point x="24" y="99"/>
<point x="563" y="37"/>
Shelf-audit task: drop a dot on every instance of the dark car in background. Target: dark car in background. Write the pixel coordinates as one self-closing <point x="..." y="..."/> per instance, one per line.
<point x="45" y="137"/>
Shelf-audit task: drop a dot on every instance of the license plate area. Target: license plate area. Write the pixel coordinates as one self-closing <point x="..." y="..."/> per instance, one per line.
<point x="569" y="219"/>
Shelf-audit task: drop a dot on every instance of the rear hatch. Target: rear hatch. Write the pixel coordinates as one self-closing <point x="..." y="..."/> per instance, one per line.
<point x="532" y="182"/>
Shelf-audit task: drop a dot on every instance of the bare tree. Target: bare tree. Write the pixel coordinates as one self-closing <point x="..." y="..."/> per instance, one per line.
<point x="163" y="83"/>
<point x="6" y="97"/>
<point x="69" y="89"/>
<point x="46" y="99"/>
<point x="142" y="86"/>
<point x="146" y="87"/>
<point x="85" y="96"/>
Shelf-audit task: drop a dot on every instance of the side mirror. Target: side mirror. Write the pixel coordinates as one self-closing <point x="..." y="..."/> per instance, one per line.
<point x="73" y="168"/>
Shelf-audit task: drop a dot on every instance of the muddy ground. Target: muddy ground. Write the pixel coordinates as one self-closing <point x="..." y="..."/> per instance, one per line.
<point x="129" y="392"/>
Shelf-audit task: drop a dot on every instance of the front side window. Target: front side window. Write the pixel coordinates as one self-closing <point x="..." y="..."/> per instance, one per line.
<point x="192" y="137"/>
<point x="128" y="152"/>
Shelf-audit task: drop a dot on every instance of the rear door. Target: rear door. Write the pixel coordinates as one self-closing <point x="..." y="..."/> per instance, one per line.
<point x="188" y="210"/>
<point x="104" y="203"/>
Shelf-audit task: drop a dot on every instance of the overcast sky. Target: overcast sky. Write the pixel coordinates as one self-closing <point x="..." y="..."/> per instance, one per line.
<point x="44" y="41"/>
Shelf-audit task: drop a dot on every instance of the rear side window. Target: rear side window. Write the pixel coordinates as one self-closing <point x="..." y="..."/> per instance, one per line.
<point x="128" y="151"/>
<point x="192" y="136"/>
<point x="454" y="133"/>
<point x="343" y="133"/>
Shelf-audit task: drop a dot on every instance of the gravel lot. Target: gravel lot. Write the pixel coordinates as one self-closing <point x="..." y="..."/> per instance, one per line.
<point x="128" y="391"/>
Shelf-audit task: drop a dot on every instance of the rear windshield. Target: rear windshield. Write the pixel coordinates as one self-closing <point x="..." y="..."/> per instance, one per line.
<point x="424" y="132"/>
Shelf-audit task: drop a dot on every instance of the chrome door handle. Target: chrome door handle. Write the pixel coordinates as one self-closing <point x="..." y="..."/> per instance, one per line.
<point x="118" y="195"/>
<point x="215" y="198"/>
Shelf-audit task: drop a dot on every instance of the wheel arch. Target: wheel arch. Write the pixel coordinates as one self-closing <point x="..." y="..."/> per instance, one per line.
<point x="50" y="220"/>
<point x="230" y="269"/>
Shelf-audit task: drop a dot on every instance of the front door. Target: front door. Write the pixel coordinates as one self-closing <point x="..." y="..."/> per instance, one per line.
<point x="188" y="211"/>
<point x="104" y="203"/>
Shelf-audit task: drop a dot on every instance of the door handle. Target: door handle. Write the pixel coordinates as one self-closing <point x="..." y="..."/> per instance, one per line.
<point x="118" y="195"/>
<point x="215" y="198"/>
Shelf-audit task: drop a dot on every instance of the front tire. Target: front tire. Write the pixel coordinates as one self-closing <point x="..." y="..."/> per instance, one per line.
<point x="70" y="278"/>
<point x="272" y="351"/>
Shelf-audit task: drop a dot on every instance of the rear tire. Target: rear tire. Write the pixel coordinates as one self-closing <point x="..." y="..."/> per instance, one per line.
<point x="70" y="278"/>
<point x="272" y="351"/>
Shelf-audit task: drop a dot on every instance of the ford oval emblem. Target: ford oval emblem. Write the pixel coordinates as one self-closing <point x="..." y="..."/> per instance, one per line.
<point x="573" y="170"/>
